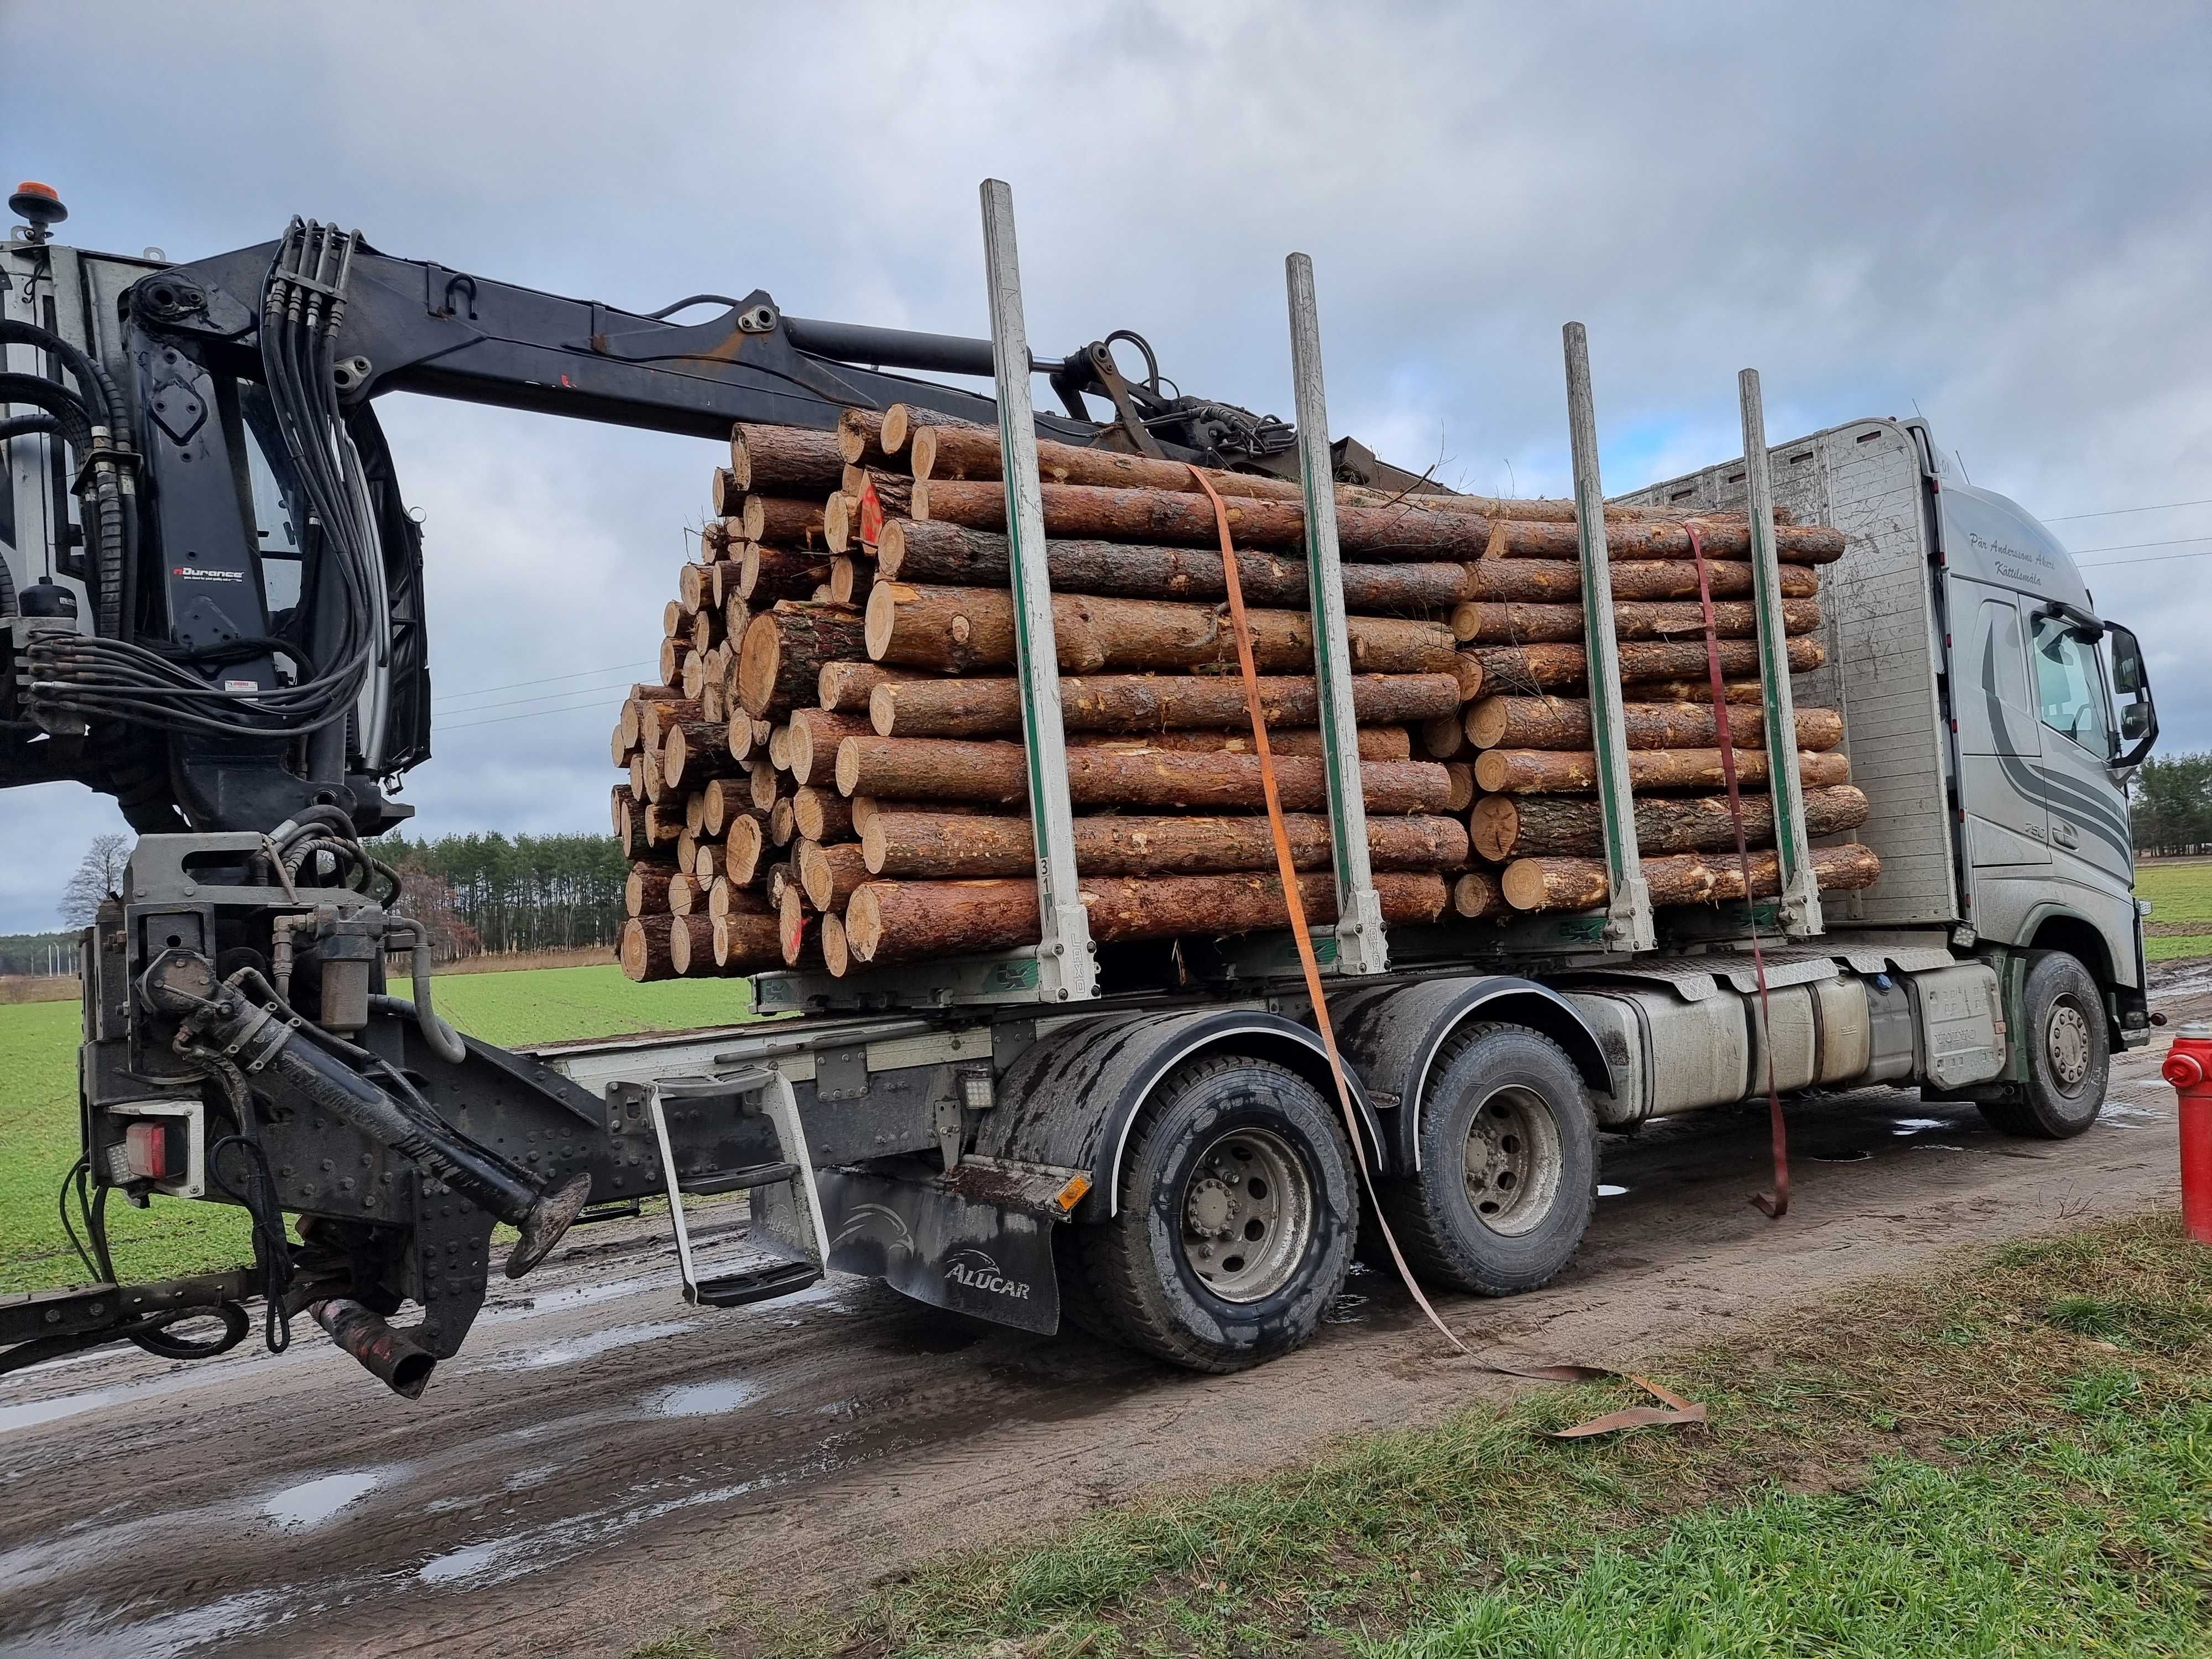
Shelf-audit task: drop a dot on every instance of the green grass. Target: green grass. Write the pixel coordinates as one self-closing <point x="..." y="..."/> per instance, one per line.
<point x="2181" y="896"/>
<point x="2012" y="1456"/>
<point x="39" y="1109"/>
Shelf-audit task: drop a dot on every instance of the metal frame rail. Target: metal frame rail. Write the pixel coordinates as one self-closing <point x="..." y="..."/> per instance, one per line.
<point x="1799" y="909"/>
<point x="1361" y="945"/>
<point x="1628" y="902"/>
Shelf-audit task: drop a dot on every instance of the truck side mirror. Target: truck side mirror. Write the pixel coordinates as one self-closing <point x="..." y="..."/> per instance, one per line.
<point x="2138" y="721"/>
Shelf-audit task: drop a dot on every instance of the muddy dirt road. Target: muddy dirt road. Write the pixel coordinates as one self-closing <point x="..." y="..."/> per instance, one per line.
<point x="603" y="1462"/>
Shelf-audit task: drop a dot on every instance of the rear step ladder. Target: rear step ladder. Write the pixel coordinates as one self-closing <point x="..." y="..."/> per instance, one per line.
<point x="793" y="1173"/>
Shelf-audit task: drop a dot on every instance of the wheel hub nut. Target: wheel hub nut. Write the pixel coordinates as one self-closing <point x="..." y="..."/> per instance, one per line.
<point x="1211" y="1209"/>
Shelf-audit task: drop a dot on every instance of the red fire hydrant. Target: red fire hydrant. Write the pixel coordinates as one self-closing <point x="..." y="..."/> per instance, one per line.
<point x="2189" y="1068"/>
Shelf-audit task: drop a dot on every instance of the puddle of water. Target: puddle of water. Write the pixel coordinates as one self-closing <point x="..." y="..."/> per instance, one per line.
<point x="706" y="1398"/>
<point x="591" y="1345"/>
<point x="311" y="1502"/>
<point x="1936" y="1146"/>
<point x="94" y="1633"/>
<point x="1345" y="1310"/>
<point x="496" y="1560"/>
<point x="523" y="1480"/>
<point x="1607" y="1189"/>
<point x="1913" y="1125"/>
<point x="1859" y="1157"/>
<point x="32" y="1412"/>
<point x="579" y="1296"/>
<point x="2126" y="1112"/>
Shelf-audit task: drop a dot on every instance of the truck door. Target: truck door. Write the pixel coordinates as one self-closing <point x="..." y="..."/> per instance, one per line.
<point x="2000" y="744"/>
<point x="2088" y="814"/>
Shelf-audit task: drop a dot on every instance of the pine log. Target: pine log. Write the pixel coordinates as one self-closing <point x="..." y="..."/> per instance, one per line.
<point x="662" y="825"/>
<point x="643" y="950"/>
<point x="1477" y="894"/>
<point x="867" y="810"/>
<point x="766" y="574"/>
<point x="782" y="822"/>
<point x="837" y="954"/>
<point x="708" y="863"/>
<point x="932" y="769"/>
<point x="687" y="844"/>
<point x="645" y="890"/>
<point x="903" y="421"/>
<point x="683" y="894"/>
<point x="1793" y="544"/>
<point x="1376" y="742"/>
<point x="1571" y="884"/>
<point x="674" y="654"/>
<point x="960" y="629"/>
<point x="903" y="922"/>
<point x="726" y="898"/>
<point x="913" y="551"/>
<point x="797" y="922"/>
<point x="695" y="587"/>
<point x="1459" y="792"/>
<point x="1698" y="690"/>
<point x="939" y="846"/>
<point x="850" y="578"/>
<point x="722" y="802"/>
<point x="779" y="747"/>
<point x="855" y="515"/>
<point x="746" y="943"/>
<point x="821" y="813"/>
<point x="1558" y="667"/>
<point x="827" y="875"/>
<point x="789" y="460"/>
<point x="1504" y="722"/>
<point x="812" y="745"/>
<point x="781" y="521"/>
<point x="1574" y="771"/>
<point x="694" y="678"/>
<point x="779" y="660"/>
<point x="1504" y="827"/>
<point x="1632" y="619"/>
<point x="1559" y="581"/>
<point x="694" y="751"/>
<point x="860" y="437"/>
<point x="769" y="785"/>
<point x="672" y="618"/>
<point x="691" y="944"/>
<point x="846" y="687"/>
<point x="1137" y="703"/>
<point x="744" y="851"/>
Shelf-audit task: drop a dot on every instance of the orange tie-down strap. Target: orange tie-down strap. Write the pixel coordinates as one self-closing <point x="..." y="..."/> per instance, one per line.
<point x="1776" y="1204"/>
<point x="1677" y="1412"/>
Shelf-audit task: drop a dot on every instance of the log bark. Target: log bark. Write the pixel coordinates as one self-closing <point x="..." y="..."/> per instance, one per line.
<point x="903" y="922"/>
<point x="782" y="822"/>
<point x="928" y="768"/>
<point x="726" y="898"/>
<point x="1559" y="667"/>
<point x="861" y="438"/>
<point x="1477" y="894"/>
<point x="914" y="551"/>
<point x="827" y="875"/>
<point x="643" y="950"/>
<point x="1504" y="722"/>
<point x="1698" y="690"/>
<point x="1376" y="742"/>
<point x="1137" y="703"/>
<point x="781" y="521"/>
<point x="1559" y="582"/>
<point x="693" y="752"/>
<point x="779" y="660"/>
<point x="812" y="745"/>
<point x="1574" y="771"/>
<point x="845" y="687"/>
<point x="746" y="944"/>
<point x="1570" y="883"/>
<point x="821" y="813"/>
<point x="1490" y="623"/>
<point x="960" y="629"/>
<point x="935" y="845"/>
<point x="766" y="574"/>
<point x="663" y="826"/>
<point x="1504" y="827"/>
<point x="691" y="945"/>
<point x="645" y="890"/>
<point x="903" y="421"/>
<point x="1724" y="539"/>
<point x="785" y="461"/>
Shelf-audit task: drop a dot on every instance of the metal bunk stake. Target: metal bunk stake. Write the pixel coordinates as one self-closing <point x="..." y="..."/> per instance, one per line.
<point x="1628" y="907"/>
<point x="1361" y="945"/>
<point x="1800" y="908"/>
<point x="1068" y="970"/>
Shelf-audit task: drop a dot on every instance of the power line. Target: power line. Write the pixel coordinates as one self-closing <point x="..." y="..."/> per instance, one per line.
<point x="512" y="685"/>
<point x="2129" y="547"/>
<point x="535" y="713"/>
<point x="2155" y="558"/>
<point x="2113" y="512"/>
<point x="549" y="696"/>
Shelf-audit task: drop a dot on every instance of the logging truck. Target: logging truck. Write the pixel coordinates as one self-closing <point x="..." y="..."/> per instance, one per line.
<point x="213" y="611"/>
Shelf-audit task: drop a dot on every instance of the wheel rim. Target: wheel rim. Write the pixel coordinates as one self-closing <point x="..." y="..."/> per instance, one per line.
<point x="2067" y="1042"/>
<point x="1513" y="1161"/>
<point x="1248" y="1215"/>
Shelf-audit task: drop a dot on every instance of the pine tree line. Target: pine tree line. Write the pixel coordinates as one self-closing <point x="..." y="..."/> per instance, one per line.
<point x="491" y="893"/>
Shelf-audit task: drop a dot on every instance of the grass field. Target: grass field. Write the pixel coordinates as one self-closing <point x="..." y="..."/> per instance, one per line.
<point x="2180" y="893"/>
<point x="38" y="1127"/>
<point x="2011" y="1456"/>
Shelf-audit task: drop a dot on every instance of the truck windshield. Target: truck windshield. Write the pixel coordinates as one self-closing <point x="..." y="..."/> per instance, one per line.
<point x="2069" y="687"/>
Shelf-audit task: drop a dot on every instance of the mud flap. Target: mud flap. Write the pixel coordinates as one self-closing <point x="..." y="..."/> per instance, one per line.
<point x="941" y="1248"/>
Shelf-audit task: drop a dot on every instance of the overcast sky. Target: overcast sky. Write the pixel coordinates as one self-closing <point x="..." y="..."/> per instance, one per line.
<point x="1995" y="216"/>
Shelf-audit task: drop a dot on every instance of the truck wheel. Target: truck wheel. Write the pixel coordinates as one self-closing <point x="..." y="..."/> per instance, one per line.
<point x="1237" y="1219"/>
<point x="1508" y="1177"/>
<point x="2069" y="1052"/>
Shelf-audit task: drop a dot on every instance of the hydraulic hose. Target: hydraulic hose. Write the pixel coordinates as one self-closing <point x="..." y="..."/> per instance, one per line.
<point x="103" y="401"/>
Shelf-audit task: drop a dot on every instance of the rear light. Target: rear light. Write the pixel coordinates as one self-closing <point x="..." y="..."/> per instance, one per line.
<point x="146" y="1146"/>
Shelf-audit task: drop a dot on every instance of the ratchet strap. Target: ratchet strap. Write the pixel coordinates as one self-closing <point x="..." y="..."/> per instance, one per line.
<point x="1366" y="1157"/>
<point x="1777" y="1202"/>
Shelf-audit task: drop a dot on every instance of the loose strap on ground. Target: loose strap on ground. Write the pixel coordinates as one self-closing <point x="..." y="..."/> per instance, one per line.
<point x="1368" y="1158"/>
<point x="1777" y="1202"/>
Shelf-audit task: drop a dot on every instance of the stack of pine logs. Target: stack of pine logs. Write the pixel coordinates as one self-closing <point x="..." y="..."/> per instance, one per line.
<point x="831" y="774"/>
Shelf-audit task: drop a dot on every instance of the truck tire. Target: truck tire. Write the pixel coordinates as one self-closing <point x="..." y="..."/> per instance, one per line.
<point x="1508" y="1177"/>
<point x="2069" y="1052"/>
<point x="1239" y="1211"/>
